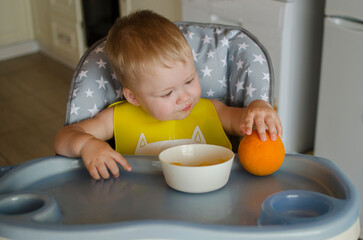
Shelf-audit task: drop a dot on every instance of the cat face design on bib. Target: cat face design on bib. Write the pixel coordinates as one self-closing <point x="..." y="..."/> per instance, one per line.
<point x="145" y="148"/>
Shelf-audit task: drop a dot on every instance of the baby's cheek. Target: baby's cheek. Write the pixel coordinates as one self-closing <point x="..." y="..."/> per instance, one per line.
<point x="164" y="113"/>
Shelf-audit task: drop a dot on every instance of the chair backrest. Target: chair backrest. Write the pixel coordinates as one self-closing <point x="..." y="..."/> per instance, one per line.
<point x="232" y="65"/>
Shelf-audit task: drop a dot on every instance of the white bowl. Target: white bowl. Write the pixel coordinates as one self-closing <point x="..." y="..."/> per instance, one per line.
<point x="192" y="178"/>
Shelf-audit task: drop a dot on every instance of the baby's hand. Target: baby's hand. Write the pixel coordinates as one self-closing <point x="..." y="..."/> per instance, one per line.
<point x="98" y="156"/>
<point x="262" y="115"/>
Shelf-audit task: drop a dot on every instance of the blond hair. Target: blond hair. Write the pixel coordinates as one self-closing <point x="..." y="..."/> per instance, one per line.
<point x="143" y="38"/>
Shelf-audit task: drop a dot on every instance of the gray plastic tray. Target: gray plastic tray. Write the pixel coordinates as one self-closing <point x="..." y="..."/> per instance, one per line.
<point x="55" y="198"/>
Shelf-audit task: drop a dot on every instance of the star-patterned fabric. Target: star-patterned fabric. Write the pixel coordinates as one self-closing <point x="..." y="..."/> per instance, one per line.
<point x="232" y="66"/>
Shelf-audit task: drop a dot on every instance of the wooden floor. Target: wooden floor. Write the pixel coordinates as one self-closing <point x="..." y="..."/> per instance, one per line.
<point x="33" y="94"/>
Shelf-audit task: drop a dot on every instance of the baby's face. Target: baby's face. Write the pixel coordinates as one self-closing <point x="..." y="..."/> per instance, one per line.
<point x="169" y="93"/>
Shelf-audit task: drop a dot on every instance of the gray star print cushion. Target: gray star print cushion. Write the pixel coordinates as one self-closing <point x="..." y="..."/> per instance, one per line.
<point x="232" y="65"/>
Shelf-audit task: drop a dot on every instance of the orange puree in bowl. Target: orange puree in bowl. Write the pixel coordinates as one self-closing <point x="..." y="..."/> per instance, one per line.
<point x="177" y="163"/>
<point x="200" y="165"/>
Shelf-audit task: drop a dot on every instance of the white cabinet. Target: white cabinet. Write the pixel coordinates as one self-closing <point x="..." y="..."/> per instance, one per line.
<point x="15" y="21"/>
<point x="67" y="31"/>
<point x="41" y="16"/>
<point x="54" y="27"/>
<point x="292" y="32"/>
<point x="168" y="8"/>
<point x="58" y="29"/>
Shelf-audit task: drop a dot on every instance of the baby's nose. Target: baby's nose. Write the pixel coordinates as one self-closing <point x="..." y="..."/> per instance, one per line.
<point x="183" y="97"/>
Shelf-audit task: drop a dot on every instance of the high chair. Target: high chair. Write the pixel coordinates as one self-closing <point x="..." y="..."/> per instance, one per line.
<point x="55" y="198"/>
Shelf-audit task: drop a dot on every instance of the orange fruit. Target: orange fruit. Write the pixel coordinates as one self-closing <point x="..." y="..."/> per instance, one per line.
<point x="258" y="157"/>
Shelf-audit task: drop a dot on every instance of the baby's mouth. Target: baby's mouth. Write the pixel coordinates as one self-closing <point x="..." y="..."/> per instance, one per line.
<point x="187" y="108"/>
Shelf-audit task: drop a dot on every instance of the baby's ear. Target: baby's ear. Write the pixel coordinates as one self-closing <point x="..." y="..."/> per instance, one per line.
<point x="130" y="96"/>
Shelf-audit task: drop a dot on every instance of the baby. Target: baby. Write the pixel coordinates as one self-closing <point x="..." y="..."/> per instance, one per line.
<point x="155" y="65"/>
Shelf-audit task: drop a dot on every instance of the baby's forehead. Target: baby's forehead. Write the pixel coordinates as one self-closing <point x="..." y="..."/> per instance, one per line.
<point x="151" y="66"/>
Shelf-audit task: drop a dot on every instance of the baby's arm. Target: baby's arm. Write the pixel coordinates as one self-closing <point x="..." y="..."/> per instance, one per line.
<point x="86" y="139"/>
<point x="240" y="121"/>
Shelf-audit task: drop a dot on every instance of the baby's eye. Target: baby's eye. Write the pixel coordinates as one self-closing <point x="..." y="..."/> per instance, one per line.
<point x="167" y="95"/>
<point x="190" y="81"/>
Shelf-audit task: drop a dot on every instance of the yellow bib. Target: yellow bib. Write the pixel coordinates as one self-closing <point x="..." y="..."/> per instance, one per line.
<point x="136" y="132"/>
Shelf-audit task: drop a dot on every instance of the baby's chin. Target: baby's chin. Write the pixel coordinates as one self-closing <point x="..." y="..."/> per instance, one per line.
<point x="177" y="116"/>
